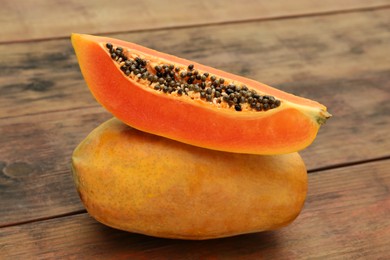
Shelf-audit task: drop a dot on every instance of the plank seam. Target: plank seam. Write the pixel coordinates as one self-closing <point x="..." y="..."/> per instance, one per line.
<point x="249" y="20"/>
<point x="50" y="111"/>
<point x="72" y="213"/>
<point x="348" y="164"/>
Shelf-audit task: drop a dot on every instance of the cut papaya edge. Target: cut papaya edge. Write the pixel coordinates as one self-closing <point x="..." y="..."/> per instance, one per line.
<point x="290" y="126"/>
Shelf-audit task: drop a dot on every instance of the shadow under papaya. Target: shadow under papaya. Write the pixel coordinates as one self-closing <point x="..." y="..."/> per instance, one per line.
<point x="135" y="246"/>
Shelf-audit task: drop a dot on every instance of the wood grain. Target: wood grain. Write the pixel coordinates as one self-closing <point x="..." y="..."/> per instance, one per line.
<point x="35" y="172"/>
<point x="345" y="217"/>
<point x="27" y="20"/>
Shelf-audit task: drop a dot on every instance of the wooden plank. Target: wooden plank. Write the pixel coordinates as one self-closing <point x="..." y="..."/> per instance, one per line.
<point x="345" y="217"/>
<point x="40" y="77"/>
<point x="27" y="20"/>
<point x="35" y="172"/>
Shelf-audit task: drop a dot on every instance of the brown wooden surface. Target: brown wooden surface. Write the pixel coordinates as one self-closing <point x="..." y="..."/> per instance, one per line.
<point x="335" y="52"/>
<point x="44" y="19"/>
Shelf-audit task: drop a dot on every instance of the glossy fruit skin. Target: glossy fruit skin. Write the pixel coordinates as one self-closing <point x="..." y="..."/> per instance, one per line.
<point x="143" y="183"/>
<point x="289" y="128"/>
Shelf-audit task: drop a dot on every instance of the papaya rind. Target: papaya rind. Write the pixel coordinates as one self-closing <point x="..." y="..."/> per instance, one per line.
<point x="143" y="183"/>
<point x="291" y="127"/>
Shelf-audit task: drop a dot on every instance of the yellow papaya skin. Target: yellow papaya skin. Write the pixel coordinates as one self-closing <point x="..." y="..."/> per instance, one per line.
<point x="143" y="183"/>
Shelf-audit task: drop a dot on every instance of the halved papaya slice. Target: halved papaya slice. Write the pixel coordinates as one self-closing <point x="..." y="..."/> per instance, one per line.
<point x="195" y="104"/>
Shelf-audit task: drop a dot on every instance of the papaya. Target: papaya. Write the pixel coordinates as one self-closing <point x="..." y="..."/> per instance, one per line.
<point x="143" y="183"/>
<point x="192" y="103"/>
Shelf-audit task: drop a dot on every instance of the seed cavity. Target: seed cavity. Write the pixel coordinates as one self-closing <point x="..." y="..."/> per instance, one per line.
<point x="191" y="82"/>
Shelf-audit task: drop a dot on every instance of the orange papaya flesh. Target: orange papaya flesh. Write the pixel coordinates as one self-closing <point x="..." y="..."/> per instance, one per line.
<point x="284" y="123"/>
<point x="143" y="183"/>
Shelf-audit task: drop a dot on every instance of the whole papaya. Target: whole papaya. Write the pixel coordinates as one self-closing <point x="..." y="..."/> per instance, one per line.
<point x="143" y="183"/>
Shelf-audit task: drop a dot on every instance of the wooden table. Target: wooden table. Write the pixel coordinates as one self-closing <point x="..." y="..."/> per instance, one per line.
<point x="335" y="52"/>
